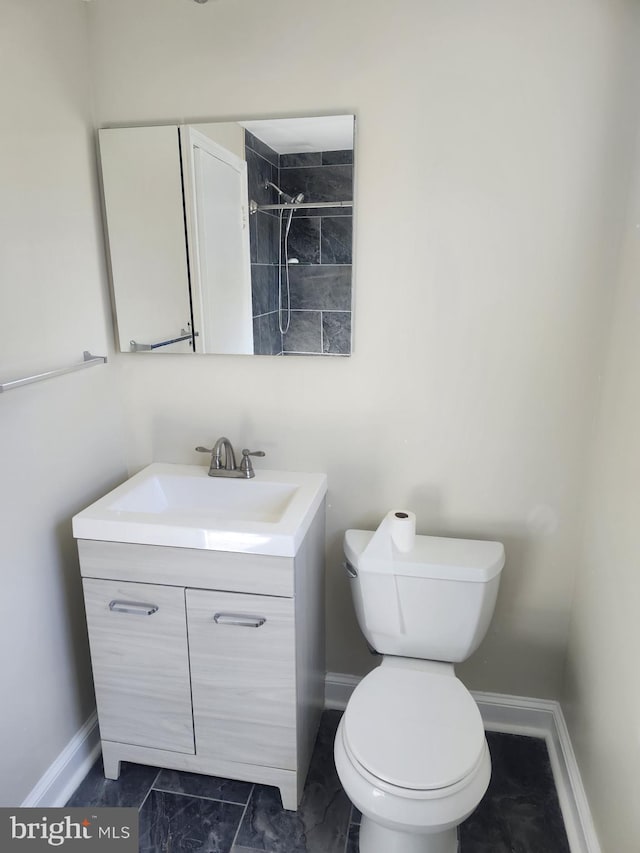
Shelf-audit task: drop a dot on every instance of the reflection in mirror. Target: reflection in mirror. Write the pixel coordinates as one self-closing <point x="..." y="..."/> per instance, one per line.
<point x="216" y="201"/>
<point x="232" y="237"/>
<point x="145" y="223"/>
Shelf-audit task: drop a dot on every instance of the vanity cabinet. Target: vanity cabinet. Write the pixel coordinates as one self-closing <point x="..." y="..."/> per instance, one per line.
<point x="208" y="661"/>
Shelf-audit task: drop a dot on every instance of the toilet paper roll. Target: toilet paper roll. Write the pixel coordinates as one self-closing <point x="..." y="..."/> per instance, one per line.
<point x="402" y="525"/>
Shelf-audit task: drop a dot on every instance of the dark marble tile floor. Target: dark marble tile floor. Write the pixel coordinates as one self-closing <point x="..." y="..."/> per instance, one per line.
<point x="190" y="812"/>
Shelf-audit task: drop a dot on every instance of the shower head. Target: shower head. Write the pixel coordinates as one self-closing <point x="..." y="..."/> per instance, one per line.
<point x="288" y="199"/>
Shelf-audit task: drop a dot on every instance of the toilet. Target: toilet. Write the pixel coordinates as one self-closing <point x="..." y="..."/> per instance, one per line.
<point x="410" y="749"/>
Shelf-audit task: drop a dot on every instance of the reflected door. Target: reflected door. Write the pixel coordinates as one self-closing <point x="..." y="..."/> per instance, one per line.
<point x="217" y="205"/>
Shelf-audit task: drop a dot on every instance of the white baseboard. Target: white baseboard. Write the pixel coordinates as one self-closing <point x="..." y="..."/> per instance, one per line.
<point x="524" y="716"/>
<point x="69" y="769"/>
<point x="338" y="688"/>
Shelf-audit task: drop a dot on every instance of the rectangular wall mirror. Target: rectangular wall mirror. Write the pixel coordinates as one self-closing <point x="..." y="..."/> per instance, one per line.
<point x="232" y="237"/>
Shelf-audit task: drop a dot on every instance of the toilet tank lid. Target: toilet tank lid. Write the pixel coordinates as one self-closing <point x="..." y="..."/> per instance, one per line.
<point x="438" y="557"/>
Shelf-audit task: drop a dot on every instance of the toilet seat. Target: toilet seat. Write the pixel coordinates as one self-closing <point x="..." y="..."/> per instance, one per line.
<point x="412" y="729"/>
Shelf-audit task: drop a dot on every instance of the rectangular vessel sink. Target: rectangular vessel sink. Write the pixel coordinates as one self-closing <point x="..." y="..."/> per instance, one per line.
<point x="181" y="506"/>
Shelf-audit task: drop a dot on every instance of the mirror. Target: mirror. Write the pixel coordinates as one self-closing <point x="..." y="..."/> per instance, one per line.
<point x="231" y="237"/>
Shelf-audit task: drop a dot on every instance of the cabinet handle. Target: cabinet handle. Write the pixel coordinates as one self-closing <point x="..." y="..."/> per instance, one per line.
<point x="137" y="607"/>
<point x="244" y="620"/>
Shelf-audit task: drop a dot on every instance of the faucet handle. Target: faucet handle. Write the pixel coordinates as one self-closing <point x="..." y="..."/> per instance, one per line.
<point x="245" y="466"/>
<point x="204" y="449"/>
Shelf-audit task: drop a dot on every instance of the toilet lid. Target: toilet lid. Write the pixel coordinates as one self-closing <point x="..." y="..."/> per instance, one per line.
<point x="414" y="729"/>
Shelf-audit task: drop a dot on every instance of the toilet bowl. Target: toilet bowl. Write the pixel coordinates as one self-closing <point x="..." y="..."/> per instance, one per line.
<point x="410" y="749"/>
<point x="411" y="754"/>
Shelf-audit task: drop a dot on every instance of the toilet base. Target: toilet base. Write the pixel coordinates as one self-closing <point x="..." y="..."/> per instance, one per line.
<point x="375" y="838"/>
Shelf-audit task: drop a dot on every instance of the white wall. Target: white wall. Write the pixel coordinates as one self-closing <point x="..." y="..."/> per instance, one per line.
<point x="490" y="166"/>
<point x="62" y="441"/>
<point x="602" y="688"/>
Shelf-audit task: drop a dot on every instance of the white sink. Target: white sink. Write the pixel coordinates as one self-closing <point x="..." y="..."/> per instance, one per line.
<point x="171" y="493"/>
<point x="181" y="506"/>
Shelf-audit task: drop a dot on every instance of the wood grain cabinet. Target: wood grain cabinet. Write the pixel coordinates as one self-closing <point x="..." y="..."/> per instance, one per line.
<point x="208" y="661"/>
<point x="140" y="659"/>
<point x="242" y="651"/>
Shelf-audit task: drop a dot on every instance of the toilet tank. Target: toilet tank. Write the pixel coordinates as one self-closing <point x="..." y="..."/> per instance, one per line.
<point x="434" y="602"/>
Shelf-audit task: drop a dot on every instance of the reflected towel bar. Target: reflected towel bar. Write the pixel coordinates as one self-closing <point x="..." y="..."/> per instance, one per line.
<point x="89" y="361"/>
<point x="185" y="336"/>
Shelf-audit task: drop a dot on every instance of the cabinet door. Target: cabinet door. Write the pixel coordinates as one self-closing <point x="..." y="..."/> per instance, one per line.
<point x="138" y="639"/>
<point x="243" y="677"/>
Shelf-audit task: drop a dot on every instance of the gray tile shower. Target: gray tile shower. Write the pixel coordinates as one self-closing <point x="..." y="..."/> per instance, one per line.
<point x="320" y="244"/>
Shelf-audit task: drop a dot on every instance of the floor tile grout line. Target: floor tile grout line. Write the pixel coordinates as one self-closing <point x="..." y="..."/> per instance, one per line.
<point x="235" y="837"/>
<point x="200" y="797"/>
<point x="146" y="796"/>
<point x="346" y="840"/>
<point x="350" y="823"/>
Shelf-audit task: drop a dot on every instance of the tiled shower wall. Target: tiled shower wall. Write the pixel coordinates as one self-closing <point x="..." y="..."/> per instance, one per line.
<point x="320" y="240"/>
<point x="262" y="166"/>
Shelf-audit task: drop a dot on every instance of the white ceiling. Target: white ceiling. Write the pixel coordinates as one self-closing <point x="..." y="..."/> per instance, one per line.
<point x="294" y="135"/>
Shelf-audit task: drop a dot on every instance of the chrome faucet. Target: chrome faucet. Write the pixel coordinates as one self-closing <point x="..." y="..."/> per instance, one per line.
<point x="229" y="469"/>
<point x="229" y="456"/>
